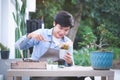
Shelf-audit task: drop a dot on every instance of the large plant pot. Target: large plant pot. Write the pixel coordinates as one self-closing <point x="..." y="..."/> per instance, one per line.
<point x="5" y="54"/>
<point x="101" y="60"/>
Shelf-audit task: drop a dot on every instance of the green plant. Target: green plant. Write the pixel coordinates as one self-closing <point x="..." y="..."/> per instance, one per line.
<point x="19" y="18"/>
<point x="104" y="39"/>
<point x="81" y="57"/>
<point x="116" y="51"/>
<point x="3" y="48"/>
<point x="87" y="37"/>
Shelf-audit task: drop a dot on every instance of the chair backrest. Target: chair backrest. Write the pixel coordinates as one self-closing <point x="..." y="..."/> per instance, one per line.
<point x="33" y="25"/>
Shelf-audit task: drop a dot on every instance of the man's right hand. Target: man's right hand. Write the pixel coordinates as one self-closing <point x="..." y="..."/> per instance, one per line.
<point x="36" y="36"/>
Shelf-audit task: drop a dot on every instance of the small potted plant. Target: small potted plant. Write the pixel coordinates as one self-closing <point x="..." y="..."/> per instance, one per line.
<point x="64" y="47"/>
<point x="63" y="50"/>
<point x="102" y="58"/>
<point x="4" y="51"/>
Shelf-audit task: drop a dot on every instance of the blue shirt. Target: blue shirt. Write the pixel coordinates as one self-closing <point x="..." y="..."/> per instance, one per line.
<point x="40" y="47"/>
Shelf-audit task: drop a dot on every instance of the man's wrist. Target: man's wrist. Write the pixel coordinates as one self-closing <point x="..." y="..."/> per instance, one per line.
<point x="28" y="35"/>
<point x="70" y="64"/>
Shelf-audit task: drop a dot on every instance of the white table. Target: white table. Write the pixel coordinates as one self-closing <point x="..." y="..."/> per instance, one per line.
<point x="61" y="72"/>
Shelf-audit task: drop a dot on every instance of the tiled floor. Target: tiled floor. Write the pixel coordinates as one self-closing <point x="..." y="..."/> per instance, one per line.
<point x="117" y="75"/>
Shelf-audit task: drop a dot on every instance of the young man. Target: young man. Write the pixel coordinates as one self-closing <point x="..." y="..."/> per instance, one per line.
<point x="46" y="42"/>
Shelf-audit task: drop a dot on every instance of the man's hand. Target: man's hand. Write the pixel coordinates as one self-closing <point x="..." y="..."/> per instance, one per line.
<point x="36" y="36"/>
<point x="67" y="58"/>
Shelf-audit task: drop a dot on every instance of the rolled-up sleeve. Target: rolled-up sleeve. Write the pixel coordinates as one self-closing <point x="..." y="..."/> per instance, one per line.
<point x="25" y="43"/>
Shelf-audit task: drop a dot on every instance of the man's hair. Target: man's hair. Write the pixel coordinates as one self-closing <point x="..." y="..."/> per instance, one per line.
<point x="64" y="18"/>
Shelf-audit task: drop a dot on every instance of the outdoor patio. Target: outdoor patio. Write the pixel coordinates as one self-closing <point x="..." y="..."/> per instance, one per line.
<point x="90" y="16"/>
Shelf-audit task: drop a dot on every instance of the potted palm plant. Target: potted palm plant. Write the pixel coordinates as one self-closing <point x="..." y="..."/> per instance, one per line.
<point x="4" y="51"/>
<point x="103" y="57"/>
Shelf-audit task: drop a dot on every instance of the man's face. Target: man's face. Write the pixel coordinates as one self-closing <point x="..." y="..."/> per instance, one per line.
<point x="60" y="31"/>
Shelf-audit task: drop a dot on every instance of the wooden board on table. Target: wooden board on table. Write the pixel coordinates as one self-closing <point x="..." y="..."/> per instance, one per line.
<point x="28" y="65"/>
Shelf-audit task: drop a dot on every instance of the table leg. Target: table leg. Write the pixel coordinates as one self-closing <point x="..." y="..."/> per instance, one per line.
<point x="10" y="78"/>
<point x="103" y="78"/>
<point x="108" y="78"/>
<point x="18" y="78"/>
<point x="111" y="77"/>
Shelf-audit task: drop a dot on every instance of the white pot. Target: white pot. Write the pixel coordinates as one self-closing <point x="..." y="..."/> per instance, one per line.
<point x="62" y="53"/>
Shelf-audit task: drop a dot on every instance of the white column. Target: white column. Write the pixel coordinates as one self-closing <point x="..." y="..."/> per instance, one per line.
<point x="0" y="19"/>
<point x="7" y="27"/>
<point x="4" y="22"/>
<point x="11" y="30"/>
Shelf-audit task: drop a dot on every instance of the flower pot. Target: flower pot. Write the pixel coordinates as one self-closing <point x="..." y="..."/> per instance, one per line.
<point x="61" y="61"/>
<point x="5" y="54"/>
<point x="101" y="60"/>
<point x="62" y="53"/>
